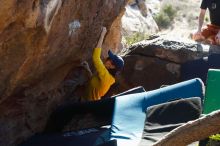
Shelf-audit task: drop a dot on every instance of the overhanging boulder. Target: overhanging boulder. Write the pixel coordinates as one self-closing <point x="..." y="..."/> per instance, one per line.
<point x="40" y="42"/>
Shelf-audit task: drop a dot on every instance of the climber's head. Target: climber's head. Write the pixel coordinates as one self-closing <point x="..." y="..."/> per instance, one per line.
<point x="114" y="62"/>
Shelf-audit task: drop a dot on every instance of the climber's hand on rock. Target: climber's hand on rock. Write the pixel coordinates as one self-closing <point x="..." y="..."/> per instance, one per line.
<point x="104" y="31"/>
<point x="85" y="64"/>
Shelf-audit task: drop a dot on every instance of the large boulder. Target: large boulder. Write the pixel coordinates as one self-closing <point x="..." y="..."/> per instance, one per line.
<point x="157" y="61"/>
<point x="40" y="42"/>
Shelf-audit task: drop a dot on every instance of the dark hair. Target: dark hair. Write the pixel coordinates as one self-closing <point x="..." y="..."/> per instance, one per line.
<point x="113" y="72"/>
<point x="108" y="58"/>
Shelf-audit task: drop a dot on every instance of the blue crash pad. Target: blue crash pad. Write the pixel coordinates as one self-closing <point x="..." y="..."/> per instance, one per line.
<point x="194" y="69"/>
<point x="129" y="111"/>
<point x="199" y="68"/>
<point x="163" y="118"/>
<point x="85" y="137"/>
<point x="134" y="90"/>
<point x="214" y="61"/>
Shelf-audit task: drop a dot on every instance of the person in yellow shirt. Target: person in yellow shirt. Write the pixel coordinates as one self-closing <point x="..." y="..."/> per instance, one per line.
<point x="100" y="82"/>
<point x="97" y="87"/>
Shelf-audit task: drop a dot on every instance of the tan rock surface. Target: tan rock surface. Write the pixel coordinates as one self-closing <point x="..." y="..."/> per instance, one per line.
<point x="40" y="41"/>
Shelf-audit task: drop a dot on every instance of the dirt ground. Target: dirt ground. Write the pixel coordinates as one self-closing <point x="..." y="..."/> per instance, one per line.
<point x="186" y="20"/>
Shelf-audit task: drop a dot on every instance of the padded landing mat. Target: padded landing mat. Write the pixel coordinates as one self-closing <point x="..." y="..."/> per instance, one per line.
<point x="194" y="69"/>
<point x="129" y="111"/>
<point x="163" y="118"/>
<point x="199" y="68"/>
<point x="214" y="61"/>
<point x="87" y="137"/>
<point x="212" y="94"/>
<point x="138" y="89"/>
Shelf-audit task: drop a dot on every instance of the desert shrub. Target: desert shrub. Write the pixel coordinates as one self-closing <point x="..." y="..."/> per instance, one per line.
<point x="162" y="20"/>
<point x="136" y="37"/>
<point x="215" y="137"/>
<point x="170" y="11"/>
<point x="214" y="140"/>
<point x="165" y="17"/>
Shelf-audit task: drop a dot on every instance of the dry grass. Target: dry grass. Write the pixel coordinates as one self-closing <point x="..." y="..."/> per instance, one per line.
<point x="186" y="19"/>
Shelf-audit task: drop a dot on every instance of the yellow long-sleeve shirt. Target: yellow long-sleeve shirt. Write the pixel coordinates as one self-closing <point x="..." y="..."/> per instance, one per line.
<point x="100" y="82"/>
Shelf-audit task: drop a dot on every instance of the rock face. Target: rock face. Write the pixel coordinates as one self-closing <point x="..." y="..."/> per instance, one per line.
<point x="40" y="42"/>
<point x="155" y="62"/>
<point x="138" y="20"/>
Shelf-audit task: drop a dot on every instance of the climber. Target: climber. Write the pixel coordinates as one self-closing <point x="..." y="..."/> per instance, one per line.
<point x="211" y="33"/>
<point x="95" y="85"/>
<point x="98" y="85"/>
<point x="106" y="71"/>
